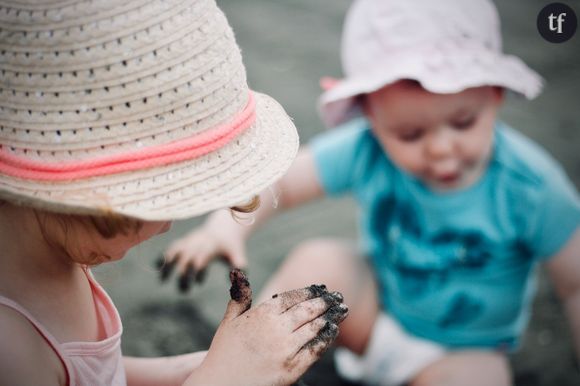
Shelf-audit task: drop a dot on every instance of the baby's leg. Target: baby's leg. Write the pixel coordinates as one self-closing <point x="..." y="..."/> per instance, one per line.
<point x="474" y="368"/>
<point x="335" y="263"/>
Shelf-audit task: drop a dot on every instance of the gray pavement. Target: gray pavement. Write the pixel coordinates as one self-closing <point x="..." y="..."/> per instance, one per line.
<point x="287" y="46"/>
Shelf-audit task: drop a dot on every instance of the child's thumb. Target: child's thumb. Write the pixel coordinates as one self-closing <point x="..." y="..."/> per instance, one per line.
<point x="238" y="259"/>
<point x="240" y="293"/>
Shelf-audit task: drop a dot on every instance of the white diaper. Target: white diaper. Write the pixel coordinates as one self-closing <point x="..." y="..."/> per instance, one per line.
<point x="392" y="358"/>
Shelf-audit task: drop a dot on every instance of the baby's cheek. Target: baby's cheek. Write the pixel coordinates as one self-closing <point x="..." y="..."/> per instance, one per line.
<point x="475" y="146"/>
<point x="405" y="156"/>
<point x="478" y="151"/>
<point x="410" y="159"/>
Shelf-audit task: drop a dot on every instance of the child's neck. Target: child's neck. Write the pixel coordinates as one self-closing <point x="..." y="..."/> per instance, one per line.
<point x="44" y="281"/>
<point x="27" y="258"/>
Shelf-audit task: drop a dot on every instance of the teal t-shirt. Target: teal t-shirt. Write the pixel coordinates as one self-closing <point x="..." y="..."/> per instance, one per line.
<point x="454" y="267"/>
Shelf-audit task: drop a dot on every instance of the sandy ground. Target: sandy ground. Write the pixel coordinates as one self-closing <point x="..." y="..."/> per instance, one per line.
<point x="287" y="47"/>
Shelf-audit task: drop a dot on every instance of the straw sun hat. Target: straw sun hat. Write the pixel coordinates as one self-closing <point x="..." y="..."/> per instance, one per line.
<point x="137" y="107"/>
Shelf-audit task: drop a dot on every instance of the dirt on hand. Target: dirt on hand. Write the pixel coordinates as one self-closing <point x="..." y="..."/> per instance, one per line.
<point x="240" y="291"/>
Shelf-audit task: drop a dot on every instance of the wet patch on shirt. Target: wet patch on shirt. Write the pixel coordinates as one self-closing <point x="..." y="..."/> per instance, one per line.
<point x="415" y="283"/>
<point x="462" y="309"/>
<point x="474" y="249"/>
<point x="404" y="242"/>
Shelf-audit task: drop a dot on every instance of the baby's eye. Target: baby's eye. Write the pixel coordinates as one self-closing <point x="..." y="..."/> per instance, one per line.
<point x="464" y="123"/>
<point x="411" y="135"/>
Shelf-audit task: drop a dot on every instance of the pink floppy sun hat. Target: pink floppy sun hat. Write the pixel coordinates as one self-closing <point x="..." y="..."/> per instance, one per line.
<point x="139" y="108"/>
<point x="446" y="45"/>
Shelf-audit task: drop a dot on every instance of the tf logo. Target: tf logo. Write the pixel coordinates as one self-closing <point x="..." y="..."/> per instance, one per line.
<point x="557" y="22"/>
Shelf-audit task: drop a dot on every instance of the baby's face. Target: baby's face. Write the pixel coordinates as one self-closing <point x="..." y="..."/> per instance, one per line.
<point x="443" y="139"/>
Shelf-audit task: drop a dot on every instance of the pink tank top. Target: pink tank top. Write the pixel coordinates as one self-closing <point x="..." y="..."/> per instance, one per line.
<point x="88" y="363"/>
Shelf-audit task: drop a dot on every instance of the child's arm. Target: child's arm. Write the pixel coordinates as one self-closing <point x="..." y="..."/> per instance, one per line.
<point x="166" y="371"/>
<point x="222" y="235"/>
<point x="564" y="269"/>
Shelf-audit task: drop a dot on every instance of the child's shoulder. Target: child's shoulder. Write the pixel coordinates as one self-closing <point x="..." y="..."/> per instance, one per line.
<point x="356" y="132"/>
<point x="353" y="137"/>
<point x="540" y="195"/>
<point x="349" y="157"/>
<point x="23" y="347"/>
<point x="523" y="159"/>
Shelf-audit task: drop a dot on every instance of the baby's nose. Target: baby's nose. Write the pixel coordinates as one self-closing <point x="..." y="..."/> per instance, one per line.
<point x="439" y="145"/>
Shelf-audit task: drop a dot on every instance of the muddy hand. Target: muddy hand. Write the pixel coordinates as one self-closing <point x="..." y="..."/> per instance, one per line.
<point x="185" y="279"/>
<point x="165" y="267"/>
<point x="336" y="312"/>
<point x="190" y="255"/>
<point x="273" y="343"/>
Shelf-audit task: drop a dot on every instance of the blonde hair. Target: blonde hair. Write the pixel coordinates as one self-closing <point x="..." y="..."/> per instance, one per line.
<point x="251" y="206"/>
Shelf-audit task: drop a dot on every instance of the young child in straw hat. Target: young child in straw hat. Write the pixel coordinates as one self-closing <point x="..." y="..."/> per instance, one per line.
<point x="457" y="208"/>
<point x="116" y="118"/>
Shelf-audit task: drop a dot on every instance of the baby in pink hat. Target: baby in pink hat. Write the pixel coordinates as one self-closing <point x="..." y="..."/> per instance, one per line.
<point x="456" y="208"/>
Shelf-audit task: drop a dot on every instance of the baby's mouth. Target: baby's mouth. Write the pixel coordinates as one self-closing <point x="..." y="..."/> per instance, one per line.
<point x="448" y="178"/>
<point x="446" y="182"/>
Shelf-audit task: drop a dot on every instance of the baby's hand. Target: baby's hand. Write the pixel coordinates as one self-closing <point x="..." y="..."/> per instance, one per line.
<point x="273" y="343"/>
<point x="191" y="254"/>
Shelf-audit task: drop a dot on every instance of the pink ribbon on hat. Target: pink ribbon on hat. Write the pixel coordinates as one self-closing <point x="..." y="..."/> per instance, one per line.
<point x="149" y="157"/>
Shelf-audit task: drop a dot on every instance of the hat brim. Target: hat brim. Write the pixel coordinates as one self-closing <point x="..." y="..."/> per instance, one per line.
<point x="441" y="75"/>
<point x="223" y="178"/>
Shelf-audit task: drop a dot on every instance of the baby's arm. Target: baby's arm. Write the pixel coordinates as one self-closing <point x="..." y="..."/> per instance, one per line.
<point x="564" y="270"/>
<point x="222" y="235"/>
